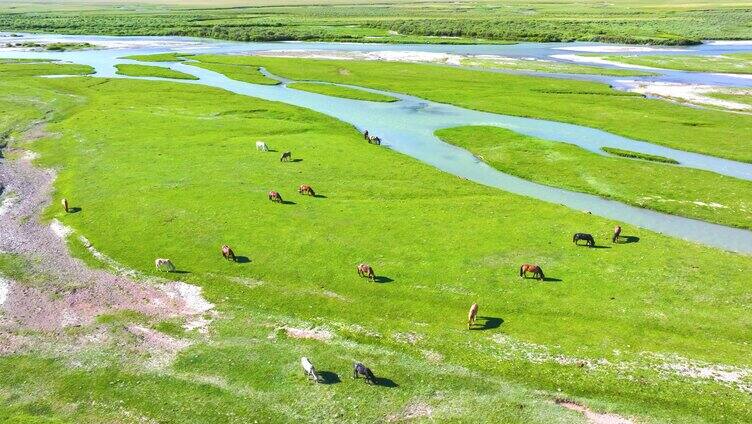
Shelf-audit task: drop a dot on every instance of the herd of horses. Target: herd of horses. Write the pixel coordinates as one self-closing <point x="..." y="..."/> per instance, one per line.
<point x="365" y="270"/>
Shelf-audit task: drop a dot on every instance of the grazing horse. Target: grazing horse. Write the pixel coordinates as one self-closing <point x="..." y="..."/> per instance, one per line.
<point x="260" y="145"/>
<point x="65" y="205"/>
<point x="374" y="140"/>
<point x="365" y="270"/>
<point x="360" y="369"/>
<point x="471" y="315"/>
<point x="535" y="269"/>
<point x="589" y="240"/>
<point x="286" y="157"/>
<point x="309" y="370"/>
<point x="275" y="197"/>
<point x="306" y="189"/>
<point x="365" y="135"/>
<point x="164" y="265"/>
<point x="227" y="253"/>
<point x="617" y="234"/>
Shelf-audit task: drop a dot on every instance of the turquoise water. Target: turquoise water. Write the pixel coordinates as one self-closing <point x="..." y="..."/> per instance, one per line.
<point x="408" y="126"/>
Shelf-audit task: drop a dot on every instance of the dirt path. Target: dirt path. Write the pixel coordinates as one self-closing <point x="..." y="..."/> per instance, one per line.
<point x="61" y="291"/>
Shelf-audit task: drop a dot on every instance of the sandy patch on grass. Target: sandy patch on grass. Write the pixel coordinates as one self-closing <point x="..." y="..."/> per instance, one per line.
<point x="161" y="348"/>
<point x="593" y="417"/>
<point x="686" y="93"/>
<point x="193" y="302"/>
<point x="309" y="333"/>
<point x="59" y="229"/>
<point x="409" y="338"/>
<point x="384" y="55"/>
<point x="713" y="205"/>
<point x="412" y="411"/>
<point x="598" y="61"/>
<point x="248" y="282"/>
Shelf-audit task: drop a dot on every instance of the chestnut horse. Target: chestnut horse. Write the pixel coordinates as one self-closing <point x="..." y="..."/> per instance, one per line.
<point x="535" y="269"/>
<point x="471" y="315"/>
<point x="306" y="189"/>
<point x="617" y="234"/>
<point x="65" y="205"/>
<point x="275" y="197"/>
<point x="227" y="253"/>
<point x="365" y="270"/>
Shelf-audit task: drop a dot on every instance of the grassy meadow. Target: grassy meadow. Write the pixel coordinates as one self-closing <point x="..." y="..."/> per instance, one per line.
<point x="339" y="91"/>
<point x="550" y="67"/>
<point x="584" y="103"/>
<point x="710" y="197"/>
<point x="151" y="71"/>
<point x="735" y="63"/>
<point x="177" y="175"/>
<point x="436" y="21"/>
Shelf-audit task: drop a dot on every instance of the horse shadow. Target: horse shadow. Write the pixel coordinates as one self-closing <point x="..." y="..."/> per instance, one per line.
<point x="288" y="202"/>
<point x="382" y="279"/>
<point x="552" y="280"/>
<point x="242" y="259"/>
<point x="320" y="196"/>
<point x="385" y="382"/>
<point x="628" y="239"/>
<point x="179" y="271"/>
<point x="74" y="209"/>
<point x="488" y="324"/>
<point x="600" y="247"/>
<point x="328" y="377"/>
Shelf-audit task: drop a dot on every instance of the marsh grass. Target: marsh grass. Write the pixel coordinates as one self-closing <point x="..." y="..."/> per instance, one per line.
<point x="339" y="91"/>
<point x="151" y="71"/>
<point x="638" y="155"/>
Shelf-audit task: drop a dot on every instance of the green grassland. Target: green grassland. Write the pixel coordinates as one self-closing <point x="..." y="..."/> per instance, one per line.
<point x="35" y="68"/>
<point x="735" y="63"/>
<point x="151" y="71"/>
<point x="739" y="98"/>
<point x="638" y="155"/>
<point x="238" y="72"/>
<point x="625" y="21"/>
<point x="626" y="309"/>
<point x="551" y="67"/>
<point x="633" y="182"/>
<point x="585" y="103"/>
<point x="339" y="91"/>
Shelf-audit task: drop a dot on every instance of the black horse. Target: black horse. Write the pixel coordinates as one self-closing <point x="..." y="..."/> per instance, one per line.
<point x="286" y="157"/>
<point x="589" y="240"/>
<point x="360" y="369"/>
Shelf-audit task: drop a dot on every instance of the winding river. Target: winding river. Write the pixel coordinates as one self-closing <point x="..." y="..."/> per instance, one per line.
<point x="408" y="125"/>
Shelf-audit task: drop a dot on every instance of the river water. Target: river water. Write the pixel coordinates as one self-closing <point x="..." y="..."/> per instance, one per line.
<point x="408" y="125"/>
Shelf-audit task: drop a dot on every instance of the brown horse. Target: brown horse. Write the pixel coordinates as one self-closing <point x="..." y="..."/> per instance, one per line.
<point x="306" y="189"/>
<point x="227" y="253"/>
<point x="471" y="315"/>
<point x="286" y="157"/>
<point x="65" y="205"/>
<point x="275" y="197"/>
<point x="617" y="234"/>
<point x="535" y="269"/>
<point x="365" y="270"/>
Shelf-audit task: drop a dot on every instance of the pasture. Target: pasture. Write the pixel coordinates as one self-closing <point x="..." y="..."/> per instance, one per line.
<point x="628" y="328"/>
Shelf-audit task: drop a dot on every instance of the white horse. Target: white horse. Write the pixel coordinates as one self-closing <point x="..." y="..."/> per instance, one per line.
<point x="309" y="370"/>
<point x="162" y="264"/>
<point x="260" y="145"/>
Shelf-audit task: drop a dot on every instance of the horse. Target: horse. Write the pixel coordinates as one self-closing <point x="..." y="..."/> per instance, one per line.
<point x="260" y="145"/>
<point x="286" y="157"/>
<point x="365" y="270"/>
<point x="471" y="315"/>
<point x="309" y="370"/>
<point x="617" y="234"/>
<point x="535" y="269"/>
<point x="65" y="205"/>
<point x="589" y="240"/>
<point x="161" y="264"/>
<point x="306" y="189"/>
<point x="360" y="369"/>
<point x="227" y="253"/>
<point x="275" y="197"/>
<point x="365" y="135"/>
<point x="374" y="140"/>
